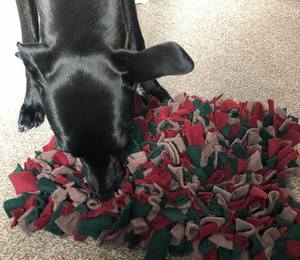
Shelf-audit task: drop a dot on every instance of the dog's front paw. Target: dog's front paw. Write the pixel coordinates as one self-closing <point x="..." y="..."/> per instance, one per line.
<point x="153" y="88"/>
<point x="30" y="116"/>
<point x="162" y="94"/>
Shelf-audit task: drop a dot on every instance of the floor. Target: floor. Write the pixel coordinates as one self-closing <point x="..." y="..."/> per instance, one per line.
<point x="248" y="50"/>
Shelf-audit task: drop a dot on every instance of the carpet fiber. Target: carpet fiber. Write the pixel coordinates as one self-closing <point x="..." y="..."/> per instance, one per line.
<point x="247" y="50"/>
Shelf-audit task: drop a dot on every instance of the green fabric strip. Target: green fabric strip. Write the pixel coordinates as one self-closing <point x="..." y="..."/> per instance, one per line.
<point x="41" y="202"/>
<point x="173" y="214"/>
<point x="46" y="185"/>
<point x="152" y="128"/>
<point x="224" y="253"/>
<point x="233" y="164"/>
<point x="156" y="152"/>
<point x="180" y="201"/>
<point x="222" y="159"/>
<point x="138" y="174"/>
<point x="138" y="210"/>
<point x="197" y="103"/>
<point x="265" y="135"/>
<point x="236" y="251"/>
<point x="271" y="163"/>
<point x="255" y="247"/>
<point x="15" y="203"/>
<point x="18" y="168"/>
<point x="293" y="232"/>
<point x="279" y="250"/>
<point x="184" y="248"/>
<point x="82" y="208"/>
<point x="240" y="152"/>
<point x="123" y="219"/>
<point x="240" y="134"/>
<point x="200" y="174"/>
<point x="194" y="153"/>
<point x="159" y="245"/>
<point x="226" y="130"/>
<point x="51" y="226"/>
<point x="205" y="245"/>
<point x="205" y="110"/>
<point x="93" y="227"/>
<point x="268" y="120"/>
<point x="164" y="126"/>
<point x="132" y="239"/>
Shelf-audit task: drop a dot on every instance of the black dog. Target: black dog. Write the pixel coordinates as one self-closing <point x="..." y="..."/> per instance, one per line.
<point x="84" y="59"/>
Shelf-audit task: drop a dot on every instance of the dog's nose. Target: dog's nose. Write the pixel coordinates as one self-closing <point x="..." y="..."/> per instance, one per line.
<point x="100" y="191"/>
<point x="100" y="181"/>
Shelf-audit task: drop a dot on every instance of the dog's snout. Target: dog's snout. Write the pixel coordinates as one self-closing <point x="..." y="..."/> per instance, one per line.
<point x="103" y="179"/>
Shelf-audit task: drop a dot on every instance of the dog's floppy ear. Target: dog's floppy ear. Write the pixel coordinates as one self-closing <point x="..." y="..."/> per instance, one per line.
<point x="35" y="57"/>
<point x="161" y="60"/>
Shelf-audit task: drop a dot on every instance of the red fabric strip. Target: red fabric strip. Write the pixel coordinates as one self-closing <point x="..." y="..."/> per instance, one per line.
<point x="271" y="106"/>
<point x="60" y="158"/>
<point x="45" y="216"/>
<point x="292" y="248"/>
<point x="293" y="136"/>
<point x="160" y="222"/>
<point x="24" y="182"/>
<point x="206" y="230"/>
<point x="221" y="119"/>
<point x="228" y="104"/>
<point x="256" y="192"/>
<point x="194" y="134"/>
<point x="50" y="146"/>
<point x="258" y="110"/>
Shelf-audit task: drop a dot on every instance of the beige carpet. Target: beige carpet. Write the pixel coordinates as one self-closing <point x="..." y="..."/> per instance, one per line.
<point x="245" y="49"/>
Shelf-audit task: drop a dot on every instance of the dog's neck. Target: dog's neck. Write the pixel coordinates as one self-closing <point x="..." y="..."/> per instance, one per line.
<point x="82" y="24"/>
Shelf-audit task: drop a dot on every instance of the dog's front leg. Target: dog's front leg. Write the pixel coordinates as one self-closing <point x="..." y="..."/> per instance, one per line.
<point x="31" y="113"/>
<point x="137" y="43"/>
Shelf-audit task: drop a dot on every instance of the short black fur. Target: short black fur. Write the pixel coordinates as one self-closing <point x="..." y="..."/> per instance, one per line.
<point x="83" y="62"/>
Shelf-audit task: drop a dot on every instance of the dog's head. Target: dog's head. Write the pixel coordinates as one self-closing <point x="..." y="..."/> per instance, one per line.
<point x="89" y="99"/>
